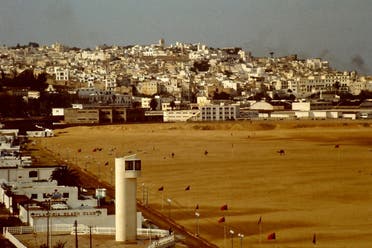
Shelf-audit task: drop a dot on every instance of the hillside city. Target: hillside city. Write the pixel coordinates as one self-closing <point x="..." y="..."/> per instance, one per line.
<point x="61" y="85"/>
<point x="61" y="81"/>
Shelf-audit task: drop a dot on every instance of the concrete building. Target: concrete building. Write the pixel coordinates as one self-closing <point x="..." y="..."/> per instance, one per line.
<point x="103" y="115"/>
<point x="58" y="112"/>
<point x="181" y="115"/>
<point x="301" y="106"/>
<point x="148" y="87"/>
<point x="81" y="116"/>
<point x="219" y="112"/>
<point x="61" y="74"/>
<point x="127" y="169"/>
<point x="262" y="105"/>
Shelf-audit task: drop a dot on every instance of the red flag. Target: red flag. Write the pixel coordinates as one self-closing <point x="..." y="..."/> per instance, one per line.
<point x="94" y="150"/>
<point x="106" y="163"/>
<point x="314" y="239"/>
<point x="197" y="206"/>
<point x="221" y="220"/>
<point x="271" y="236"/>
<point x="161" y="188"/>
<point x="79" y="150"/>
<point x="224" y="207"/>
<point x="259" y="220"/>
<point x="187" y="188"/>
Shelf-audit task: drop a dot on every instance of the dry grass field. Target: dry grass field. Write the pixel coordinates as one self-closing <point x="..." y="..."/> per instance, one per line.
<point x="314" y="188"/>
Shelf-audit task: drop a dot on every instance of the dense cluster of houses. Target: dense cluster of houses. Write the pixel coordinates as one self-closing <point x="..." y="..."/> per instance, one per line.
<point x="185" y="80"/>
<point x="44" y="206"/>
<point x="30" y="194"/>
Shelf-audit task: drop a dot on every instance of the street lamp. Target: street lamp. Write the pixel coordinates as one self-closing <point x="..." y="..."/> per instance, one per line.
<point x="143" y="193"/>
<point x="148" y="222"/>
<point x="197" y="215"/>
<point x="169" y="209"/>
<point x="241" y="236"/>
<point x="232" y="238"/>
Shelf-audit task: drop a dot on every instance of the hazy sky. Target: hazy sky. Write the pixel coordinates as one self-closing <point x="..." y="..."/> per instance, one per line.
<point x="337" y="30"/>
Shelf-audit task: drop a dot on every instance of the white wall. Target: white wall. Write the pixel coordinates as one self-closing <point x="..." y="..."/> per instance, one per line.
<point x="22" y="174"/>
<point x="318" y="114"/>
<point x="301" y="106"/>
<point x="58" y="112"/>
<point x="180" y="115"/>
<point x="302" y="114"/>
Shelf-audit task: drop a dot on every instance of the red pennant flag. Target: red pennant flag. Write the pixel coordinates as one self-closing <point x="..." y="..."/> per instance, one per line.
<point x="224" y="207"/>
<point x="271" y="236"/>
<point x="197" y="206"/>
<point x="187" y="188"/>
<point x="259" y="220"/>
<point x="314" y="239"/>
<point x="161" y="188"/>
<point x="79" y="150"/>
<point x="221" y="220"/>
<point x="107" y="163"/>
<point x="94" y="150"/>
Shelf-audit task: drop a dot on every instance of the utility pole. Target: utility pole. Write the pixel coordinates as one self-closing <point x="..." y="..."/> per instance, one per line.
<point x="76" y="233"/>
<point x="48" y="208"/>
<point x="90" y="236"/>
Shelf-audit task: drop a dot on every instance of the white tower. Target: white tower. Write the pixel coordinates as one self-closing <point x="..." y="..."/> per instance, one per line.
<point x="127" y="169"/>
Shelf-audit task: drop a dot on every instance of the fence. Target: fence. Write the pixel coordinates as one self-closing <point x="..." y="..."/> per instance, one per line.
<point x="82" y="229"/>
<point x="18" y="229"/>
<point x="12" y="239"/>
<point x="163" y="242"/>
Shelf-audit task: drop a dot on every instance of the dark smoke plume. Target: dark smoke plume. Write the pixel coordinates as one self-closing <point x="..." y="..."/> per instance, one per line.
<point x="358" y="62"/>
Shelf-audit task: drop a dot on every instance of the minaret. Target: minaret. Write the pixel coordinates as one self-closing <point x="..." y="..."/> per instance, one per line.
<point x="127" y="169"/>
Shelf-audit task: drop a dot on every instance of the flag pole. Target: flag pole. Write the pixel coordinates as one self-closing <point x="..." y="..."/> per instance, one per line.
<point x="260" y="231"/>
<point x="224" y="234"/>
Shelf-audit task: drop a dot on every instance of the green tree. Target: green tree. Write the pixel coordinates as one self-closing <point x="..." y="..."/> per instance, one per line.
<point x="153" y="104"/>
<point x="66" y="176"/>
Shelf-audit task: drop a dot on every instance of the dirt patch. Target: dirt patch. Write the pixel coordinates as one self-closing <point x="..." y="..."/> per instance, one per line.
<point x="313" y="188"/>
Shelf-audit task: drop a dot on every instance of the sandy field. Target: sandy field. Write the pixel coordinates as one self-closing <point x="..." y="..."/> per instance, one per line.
<point x="321" y="185"/>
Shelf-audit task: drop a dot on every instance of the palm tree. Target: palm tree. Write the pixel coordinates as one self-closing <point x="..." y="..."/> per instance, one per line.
<point x="66" y="176"/>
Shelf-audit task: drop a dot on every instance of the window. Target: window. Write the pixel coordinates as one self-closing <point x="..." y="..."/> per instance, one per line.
<point x="128" y="165"/>
<point x="66" y="195"/>
<point x="32" y="174"/>
<point x="33" y="196"/>
<point x="137" y="165"/>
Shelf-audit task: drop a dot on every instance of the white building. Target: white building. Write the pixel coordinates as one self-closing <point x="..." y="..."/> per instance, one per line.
<point x="301" y="106"/>
<point x="110" y="83"/>
<point x="61" y="74"/>
<point x="148" y="87"/>
<point x="145" y="102"/>
<point x="229" y="84"/>
<point x="181" y="115"/>
<point x="262" y="105"/>
<point x="58" y="112"/>
<point x="219" y="112"/>
<point x="202" y="100"/>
